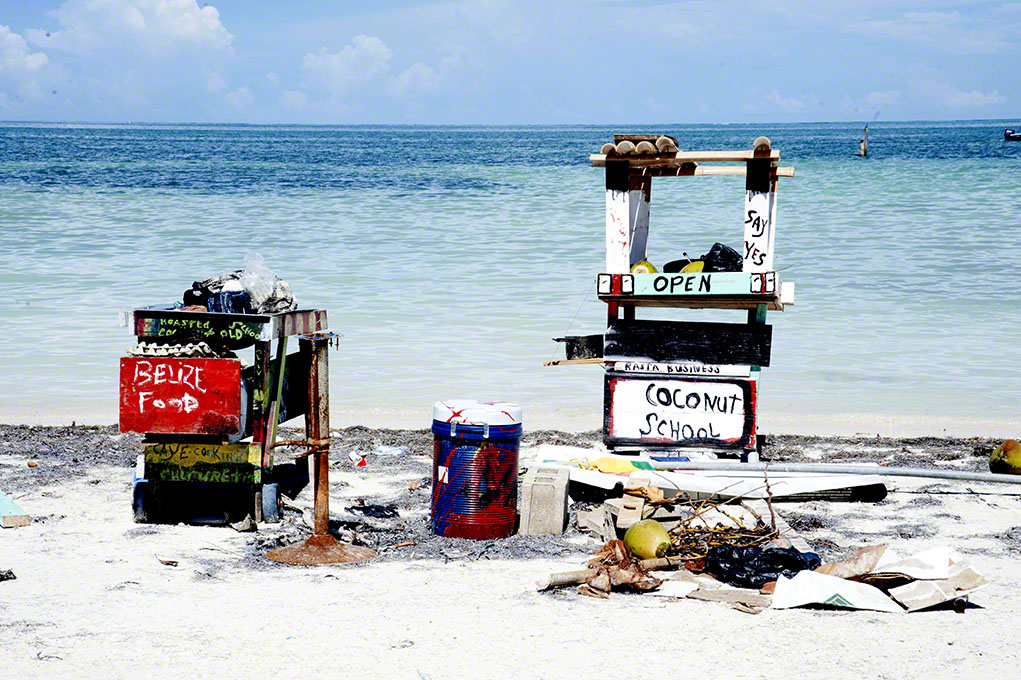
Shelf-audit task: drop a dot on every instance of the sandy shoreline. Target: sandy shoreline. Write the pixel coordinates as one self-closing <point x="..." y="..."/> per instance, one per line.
<point x="90" y="584"/>
<point x="587" y="418"/>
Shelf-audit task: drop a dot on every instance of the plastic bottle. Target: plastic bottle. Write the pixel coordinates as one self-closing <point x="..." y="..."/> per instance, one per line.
<point x="257" y="279"/>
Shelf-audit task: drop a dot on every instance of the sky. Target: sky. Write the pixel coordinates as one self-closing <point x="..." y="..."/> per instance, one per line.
<point x="513" y="62"/>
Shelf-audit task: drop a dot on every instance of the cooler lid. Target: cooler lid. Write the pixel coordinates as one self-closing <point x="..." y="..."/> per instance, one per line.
<point x="474" y="412"/>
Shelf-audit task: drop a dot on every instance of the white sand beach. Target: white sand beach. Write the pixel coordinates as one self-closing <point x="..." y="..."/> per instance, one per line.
<point x="91" y="597"/>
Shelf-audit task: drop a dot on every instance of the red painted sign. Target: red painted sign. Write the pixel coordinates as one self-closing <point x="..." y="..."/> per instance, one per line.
<point x="180" y="396"/>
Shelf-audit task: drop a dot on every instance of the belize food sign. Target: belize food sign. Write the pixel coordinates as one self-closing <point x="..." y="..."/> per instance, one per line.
<point x="679" y="410"/>
<point x="178" y="396"/>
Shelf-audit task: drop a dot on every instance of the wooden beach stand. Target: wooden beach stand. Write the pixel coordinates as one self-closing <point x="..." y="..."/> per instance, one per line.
<point x="195" y="411"/>
<point x="678" y="385"/>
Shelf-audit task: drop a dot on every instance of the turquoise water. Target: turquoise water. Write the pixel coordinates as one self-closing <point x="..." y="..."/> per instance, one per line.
<point x="449" y="258"/>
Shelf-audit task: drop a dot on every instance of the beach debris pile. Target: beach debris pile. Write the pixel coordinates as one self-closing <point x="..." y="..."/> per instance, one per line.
<point x="726" y="551"/>
<point x="252" y="290"/>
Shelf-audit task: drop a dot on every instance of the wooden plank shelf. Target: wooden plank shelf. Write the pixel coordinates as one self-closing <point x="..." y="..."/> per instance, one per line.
<point x="772" y="302"/>
<point x="236" y="331"/>
<point x="678" y="158"/>
<point x="717" y="290"/>
<point x="692" y="170"/>
<point x="688" y="342"/>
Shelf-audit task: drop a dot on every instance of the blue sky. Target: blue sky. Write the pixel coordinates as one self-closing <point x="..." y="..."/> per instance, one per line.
<point x="496" y="62"/>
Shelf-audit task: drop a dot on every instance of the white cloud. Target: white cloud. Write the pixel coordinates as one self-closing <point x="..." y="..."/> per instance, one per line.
<point x="948" y="31"/>
<point x="415" y="80"/>
<point x="294" y="100"/>
<point x="335" y="72"/>
<point x="153" y="26"/>
<point x="273" y="78"/>
<point x="785" y="103"/>
<point x="241" y="98"/>
<point x="874" y="103"/>
<point x="215" y="82"/>
<point x="15" y="55"/>
<point x="947" y="96"/>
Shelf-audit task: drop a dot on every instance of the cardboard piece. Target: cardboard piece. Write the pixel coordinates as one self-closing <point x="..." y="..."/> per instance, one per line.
<point x="676" y="589"/>
<point x="745" y="596"/>
<point x="962" y="581"/>
<point x="863" y="561"/>
<point x="810" y="587"/>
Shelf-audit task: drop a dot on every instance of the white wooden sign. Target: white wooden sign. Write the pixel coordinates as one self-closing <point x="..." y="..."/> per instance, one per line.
<point x="695" y="412"/>
<point x="627" y="229"/>
<point x="759" y="230"/>
<point x="686" y="368"/>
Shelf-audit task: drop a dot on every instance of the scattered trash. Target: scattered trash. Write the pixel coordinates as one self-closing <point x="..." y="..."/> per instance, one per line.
<point x="617" y="570"/>
<point x="810" y="587"/>
<point x="375" y="510"/>
<point x="722" y="258"/>
<point x="598" y="522"/>
<point x="879" y="579"/>
<point x="254" y="289"/>
<point x="414" y="486"/>
<point x="11" y="514"/>
<point x="33" y="464"/>
<point x="753" y="567"/>
<point x="245" y="525"/>
<point x="385" y="450"/>
<point x="403" y="544"/>
<point x="169" y="563"/>
<point x="356" y="458"/>
<point x="7" y="575"/>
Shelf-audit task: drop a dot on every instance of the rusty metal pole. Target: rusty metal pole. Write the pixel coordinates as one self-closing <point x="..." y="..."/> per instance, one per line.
<point x="321" y="547"/>
<point x="317" y="422"/>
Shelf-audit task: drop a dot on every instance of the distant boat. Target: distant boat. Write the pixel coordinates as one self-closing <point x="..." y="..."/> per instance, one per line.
<point x="863" y="144"/>
<point x="1010" y="136"/>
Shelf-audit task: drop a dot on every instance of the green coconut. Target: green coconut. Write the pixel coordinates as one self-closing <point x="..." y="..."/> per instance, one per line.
<point x="647" y="539"/>
<point x="1006" y="459"/>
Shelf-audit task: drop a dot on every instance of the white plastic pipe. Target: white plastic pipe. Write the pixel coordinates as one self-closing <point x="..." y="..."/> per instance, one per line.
<point x="839" y="468"/>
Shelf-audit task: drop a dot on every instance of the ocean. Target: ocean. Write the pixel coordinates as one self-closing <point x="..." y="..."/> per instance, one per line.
<point x="449" y="257"/>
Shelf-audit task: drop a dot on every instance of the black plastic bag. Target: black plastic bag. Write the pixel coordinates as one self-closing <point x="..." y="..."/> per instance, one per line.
<point x="722" y="258"/>
<point x="751" y="567"/>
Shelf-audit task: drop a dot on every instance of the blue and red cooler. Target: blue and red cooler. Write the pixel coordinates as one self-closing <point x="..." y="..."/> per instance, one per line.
<point x="475" y="468"/>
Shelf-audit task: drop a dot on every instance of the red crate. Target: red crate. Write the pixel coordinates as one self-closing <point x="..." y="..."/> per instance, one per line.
<point x="169" y="395"/>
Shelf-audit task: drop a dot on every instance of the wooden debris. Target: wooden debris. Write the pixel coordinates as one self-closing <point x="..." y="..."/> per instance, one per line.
<point x="645" y="147"/>
<point x="632" y="506"/>
<point x="592" y="592"/>
<point x="745" y="596"/>
<point x="169" y="563"/>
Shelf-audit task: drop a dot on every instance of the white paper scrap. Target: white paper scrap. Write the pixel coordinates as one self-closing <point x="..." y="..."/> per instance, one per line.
<point x="809" y="587"/>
